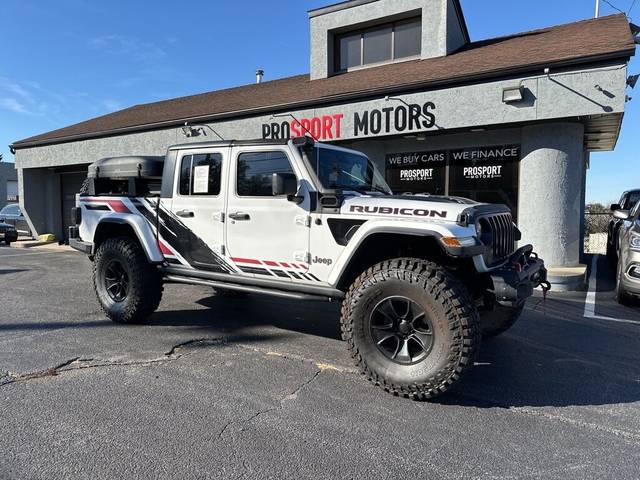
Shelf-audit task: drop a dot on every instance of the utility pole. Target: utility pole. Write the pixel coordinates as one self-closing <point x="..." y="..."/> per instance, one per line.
<point x="597" y="8"/>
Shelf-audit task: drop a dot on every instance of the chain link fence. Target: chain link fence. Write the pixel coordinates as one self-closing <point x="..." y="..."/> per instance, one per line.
<point x="596" y="226"/>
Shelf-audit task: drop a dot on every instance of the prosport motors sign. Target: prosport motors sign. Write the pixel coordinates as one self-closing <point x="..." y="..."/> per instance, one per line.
<point x="390" y="120"/>
<point x="471" y="169"/>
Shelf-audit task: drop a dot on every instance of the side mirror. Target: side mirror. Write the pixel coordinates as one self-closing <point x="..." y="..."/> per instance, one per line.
<point x="285" y="184"/>
<point x="621" y="214"/>
<point x="615" y="206"/>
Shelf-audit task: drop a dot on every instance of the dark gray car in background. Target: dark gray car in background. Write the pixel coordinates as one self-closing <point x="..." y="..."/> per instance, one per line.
<point x="12" y="215"/>
<point x="628" y="250"/>
<point x="627" y="201"/>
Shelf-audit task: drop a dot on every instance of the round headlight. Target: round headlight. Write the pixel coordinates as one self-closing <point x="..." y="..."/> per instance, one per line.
<point x="635" y="242"/>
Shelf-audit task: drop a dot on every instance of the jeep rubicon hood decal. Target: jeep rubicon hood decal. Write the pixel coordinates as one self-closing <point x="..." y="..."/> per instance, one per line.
<point x="434" y="208"/>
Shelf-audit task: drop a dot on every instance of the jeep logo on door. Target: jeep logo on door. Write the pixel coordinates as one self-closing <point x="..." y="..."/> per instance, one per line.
<point x="412" y="212"/>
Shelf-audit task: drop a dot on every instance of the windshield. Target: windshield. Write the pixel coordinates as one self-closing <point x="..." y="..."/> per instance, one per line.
<point x="339" y="170"/>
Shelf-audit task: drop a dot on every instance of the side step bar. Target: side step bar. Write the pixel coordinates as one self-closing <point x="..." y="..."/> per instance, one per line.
<point x="247" y="288"/>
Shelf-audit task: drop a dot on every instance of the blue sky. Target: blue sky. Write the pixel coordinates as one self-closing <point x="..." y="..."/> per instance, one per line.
<point x="66" y="61"/>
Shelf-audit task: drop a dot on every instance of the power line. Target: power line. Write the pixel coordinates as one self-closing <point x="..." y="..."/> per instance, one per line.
<point x="613" y="6"/>
<point x="633" y="4"/>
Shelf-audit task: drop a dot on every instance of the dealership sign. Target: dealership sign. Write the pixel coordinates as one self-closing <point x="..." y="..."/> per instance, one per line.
<point x="389" y="120"/>
<point x="467" y="170"/>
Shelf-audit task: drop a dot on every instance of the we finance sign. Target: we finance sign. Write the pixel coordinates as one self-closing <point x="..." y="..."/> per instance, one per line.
<point x="389" y="120"/>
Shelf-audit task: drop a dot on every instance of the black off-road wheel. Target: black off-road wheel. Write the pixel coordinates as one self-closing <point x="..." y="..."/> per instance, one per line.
<point x="411" y="327"/>
<point x="128" y="288"/>
<point x="497" y="321"/>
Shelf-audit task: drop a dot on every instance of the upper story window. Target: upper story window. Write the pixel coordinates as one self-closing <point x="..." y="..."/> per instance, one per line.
<point x="384" y="43"/>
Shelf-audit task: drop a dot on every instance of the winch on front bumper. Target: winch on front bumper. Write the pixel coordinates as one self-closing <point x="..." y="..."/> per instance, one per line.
<point x="523" y="272"/>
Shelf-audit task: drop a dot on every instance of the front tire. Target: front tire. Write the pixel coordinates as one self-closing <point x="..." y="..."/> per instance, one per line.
<point x="497" y="321"/>
<point x="128" y="288"/>
<point x="411" y="327"/>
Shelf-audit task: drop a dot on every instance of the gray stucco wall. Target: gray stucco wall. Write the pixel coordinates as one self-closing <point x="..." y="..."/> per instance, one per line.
<point x="434" y="28"/>
<point x="552" y="174"/>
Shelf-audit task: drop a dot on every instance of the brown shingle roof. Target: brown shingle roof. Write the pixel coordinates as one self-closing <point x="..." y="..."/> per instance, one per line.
<point x="579" y="42"/>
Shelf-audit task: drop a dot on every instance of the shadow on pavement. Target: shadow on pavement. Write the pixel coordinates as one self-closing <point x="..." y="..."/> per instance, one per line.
<point x="310" y="318"/>
<point x="553" y="357"/>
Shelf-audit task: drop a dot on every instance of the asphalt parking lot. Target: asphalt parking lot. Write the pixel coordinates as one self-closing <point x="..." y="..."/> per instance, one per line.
<point x="258" y="387"/>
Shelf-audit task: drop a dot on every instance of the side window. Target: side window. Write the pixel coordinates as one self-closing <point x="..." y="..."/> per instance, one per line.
<point x="623" y="201"/>
<point x="255" y="172"/>
<point x="201" y="174"/>
<point x="632" y="200"/>
<point x="12" y="209"/>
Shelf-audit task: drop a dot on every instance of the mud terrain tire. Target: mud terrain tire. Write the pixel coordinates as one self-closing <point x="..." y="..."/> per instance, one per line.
<point x="434" y="348"/>
<point x="128" y="288"/>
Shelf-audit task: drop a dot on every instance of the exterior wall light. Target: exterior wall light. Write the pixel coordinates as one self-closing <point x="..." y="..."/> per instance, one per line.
<point x="632" y="80"/>
<point x="513" y="94"/>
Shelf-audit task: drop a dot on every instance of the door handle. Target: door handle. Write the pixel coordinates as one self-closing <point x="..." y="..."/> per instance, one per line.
<point x="240" y="216"/>
<point x="185" y="214"/>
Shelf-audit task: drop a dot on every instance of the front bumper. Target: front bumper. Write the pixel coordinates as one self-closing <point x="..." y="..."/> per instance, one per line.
<point x="8" y="235"/>
<point x="629" y="280"/>
<point x="520" y="275"/>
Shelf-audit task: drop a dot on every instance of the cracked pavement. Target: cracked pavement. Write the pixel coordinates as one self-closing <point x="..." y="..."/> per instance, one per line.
<point x="216" y="387"/>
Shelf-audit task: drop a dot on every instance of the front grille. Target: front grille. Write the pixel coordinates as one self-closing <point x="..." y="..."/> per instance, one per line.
<point x="503" y="237"/>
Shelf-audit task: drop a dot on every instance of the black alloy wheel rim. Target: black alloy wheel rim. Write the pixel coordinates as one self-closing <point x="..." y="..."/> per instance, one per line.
<point x="401" y="330"/>
<point x="116" y="281"/>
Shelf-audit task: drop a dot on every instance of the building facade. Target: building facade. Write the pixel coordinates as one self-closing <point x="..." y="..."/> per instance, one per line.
<point x="510" y="120"/>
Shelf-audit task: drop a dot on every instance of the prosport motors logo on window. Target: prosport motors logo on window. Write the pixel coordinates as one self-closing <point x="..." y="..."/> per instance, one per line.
<point x="419" y="175"/>
<point x="486" y="171"/>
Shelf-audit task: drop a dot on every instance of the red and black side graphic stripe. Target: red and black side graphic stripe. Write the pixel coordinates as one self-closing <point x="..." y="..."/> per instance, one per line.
<point x="182" y="239"/>
<point x="288" y="270"/>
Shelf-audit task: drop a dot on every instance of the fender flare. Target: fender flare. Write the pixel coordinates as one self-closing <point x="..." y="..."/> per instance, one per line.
<point x="435" y="231"/>
<point x="142" y="231"/>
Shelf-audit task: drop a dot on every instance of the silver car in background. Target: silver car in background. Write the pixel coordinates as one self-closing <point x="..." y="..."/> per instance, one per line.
<point x="628" y="271"/>
<point x="12" y="215"/>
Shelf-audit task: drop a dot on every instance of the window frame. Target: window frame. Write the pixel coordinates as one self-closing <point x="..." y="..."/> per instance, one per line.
<point x="249" y="152"/>
<point x="337" y="57"/>
<point x="179" y="176"/>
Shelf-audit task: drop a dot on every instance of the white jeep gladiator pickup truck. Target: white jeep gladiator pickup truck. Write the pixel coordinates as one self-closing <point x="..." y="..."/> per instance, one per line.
<point x="421" y="278"/>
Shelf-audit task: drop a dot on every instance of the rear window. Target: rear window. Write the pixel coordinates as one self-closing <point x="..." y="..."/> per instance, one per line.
<point x="11" y="210"/>
<point x="201" y="174"/>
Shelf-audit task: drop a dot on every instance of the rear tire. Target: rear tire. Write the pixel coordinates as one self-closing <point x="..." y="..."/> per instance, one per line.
<point x="500" y="319"/>
<point x="128" y="288"/>
<point x="429" y="318"/>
